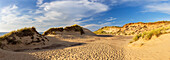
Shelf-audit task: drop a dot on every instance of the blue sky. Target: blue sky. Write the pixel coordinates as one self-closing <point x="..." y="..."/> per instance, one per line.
<point x="92" y="14"/>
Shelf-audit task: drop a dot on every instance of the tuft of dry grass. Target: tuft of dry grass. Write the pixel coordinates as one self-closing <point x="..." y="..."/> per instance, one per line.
<point x="148" y="34"/>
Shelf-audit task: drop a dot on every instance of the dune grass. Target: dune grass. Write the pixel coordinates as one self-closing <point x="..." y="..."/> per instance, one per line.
<point x="16" y="31"/>
<point x="74" y="27"/>
<point x="100" y="31"/>
<point x="20" y="32"/>
<point x="149" y="34"/>
<point x="52" y="30"/>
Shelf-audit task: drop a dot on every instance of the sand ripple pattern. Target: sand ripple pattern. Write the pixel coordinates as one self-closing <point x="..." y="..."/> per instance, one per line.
<point x="91" y="51"/>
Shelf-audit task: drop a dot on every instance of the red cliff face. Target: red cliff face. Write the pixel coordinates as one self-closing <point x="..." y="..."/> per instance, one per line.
<point x="133" y="28"/>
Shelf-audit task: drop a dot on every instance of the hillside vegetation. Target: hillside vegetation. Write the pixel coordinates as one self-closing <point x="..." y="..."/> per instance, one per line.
<point x="149" y="34"/>
<point x="132" y="28"/>
<point x="20" y="32"/>
<point x="69" y="30"/>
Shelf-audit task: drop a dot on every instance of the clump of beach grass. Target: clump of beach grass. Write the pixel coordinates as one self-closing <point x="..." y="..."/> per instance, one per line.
<point x="149" y="34"/>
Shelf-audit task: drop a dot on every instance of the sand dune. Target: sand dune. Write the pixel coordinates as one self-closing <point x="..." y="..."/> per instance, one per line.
<point x="96" y="47"/>
<point x="86" y="46"/>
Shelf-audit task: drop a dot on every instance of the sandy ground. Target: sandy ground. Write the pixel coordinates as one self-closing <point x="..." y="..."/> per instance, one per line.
<point x="103" y="47"/>
<point x="155" y="49"/>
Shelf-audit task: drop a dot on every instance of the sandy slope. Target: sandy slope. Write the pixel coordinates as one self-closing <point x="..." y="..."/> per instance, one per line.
<point x="154" y="49"/>
<point x="95" y="48"/>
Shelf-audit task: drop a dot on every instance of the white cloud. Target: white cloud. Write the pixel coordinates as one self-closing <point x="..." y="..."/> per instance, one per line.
<point x="11" y="15"/>
<point x="11" y="18"/>
<point x="66" y="12"/>
<point x="128" y="2"/>
<point x="111" y="19"/>
<point x="142" y="0"/>
<point x="39" y="2"/>
<point x="69" y="12"/>
<point x="161" y="7"/>
<point x="52" y="14"/>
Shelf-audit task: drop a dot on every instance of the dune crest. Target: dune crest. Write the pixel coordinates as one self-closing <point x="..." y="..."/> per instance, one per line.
<point x="69" y="30"/>
<point x="132" y="28"/>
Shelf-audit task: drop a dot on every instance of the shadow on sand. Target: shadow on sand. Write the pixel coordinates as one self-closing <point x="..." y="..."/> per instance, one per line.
<point x="60" y="44"/>
<point x="105" y="35"/>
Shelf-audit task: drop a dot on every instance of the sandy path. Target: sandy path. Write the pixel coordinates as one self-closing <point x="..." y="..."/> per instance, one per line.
<point x="102" y="49"/>
<point x="96" y="48"/>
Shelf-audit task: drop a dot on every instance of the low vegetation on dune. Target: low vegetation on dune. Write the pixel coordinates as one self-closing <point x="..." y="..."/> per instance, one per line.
<point x="149" y="34"/>
<point x="132" y="28"/>
<point x="100" y="31"/>
<point x="52" y="30"/>
<point x="20" y="32"/>
<point x="75" y="28"/>
<point x="149" y="23"/>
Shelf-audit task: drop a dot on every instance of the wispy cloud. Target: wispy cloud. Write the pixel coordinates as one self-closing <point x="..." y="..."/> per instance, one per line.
<point x="159" y="7"/>
<point x="110" y="19"/>
<point x="12" y="18"/>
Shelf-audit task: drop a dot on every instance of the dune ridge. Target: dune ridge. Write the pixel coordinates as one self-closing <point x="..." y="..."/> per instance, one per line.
<point x="132" y="28"/>
<point x="70" y="44"/>
<point x="68" y="30"/>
